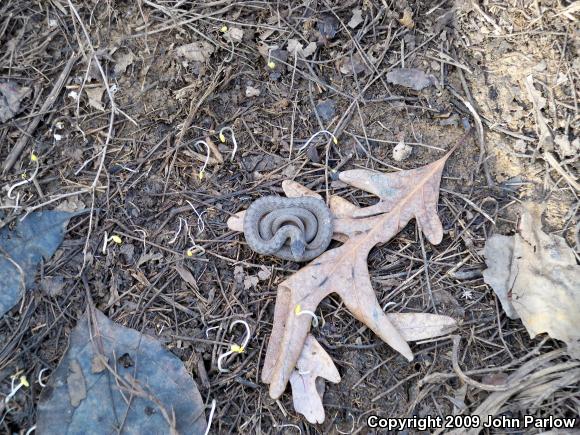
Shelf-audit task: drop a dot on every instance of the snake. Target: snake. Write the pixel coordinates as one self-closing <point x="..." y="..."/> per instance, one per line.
<point x="296" y="229"/>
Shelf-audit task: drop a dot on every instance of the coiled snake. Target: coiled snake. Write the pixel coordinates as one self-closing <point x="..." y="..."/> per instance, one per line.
<point x="297" y="229"/>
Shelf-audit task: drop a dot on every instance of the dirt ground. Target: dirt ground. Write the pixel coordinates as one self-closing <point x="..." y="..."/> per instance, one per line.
<point x="127" y="151"/>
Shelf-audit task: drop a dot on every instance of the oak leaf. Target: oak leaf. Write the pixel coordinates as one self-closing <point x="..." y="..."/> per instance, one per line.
<point x="403" y="195"/>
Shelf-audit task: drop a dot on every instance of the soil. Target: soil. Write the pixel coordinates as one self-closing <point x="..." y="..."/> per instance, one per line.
<point x="150" y="190"/>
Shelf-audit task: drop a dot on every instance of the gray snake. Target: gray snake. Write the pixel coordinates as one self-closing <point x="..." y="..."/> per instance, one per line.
<point x="297" y="229"/>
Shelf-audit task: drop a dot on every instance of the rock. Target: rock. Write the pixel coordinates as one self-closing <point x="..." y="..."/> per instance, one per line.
<point x="402" y="151"/>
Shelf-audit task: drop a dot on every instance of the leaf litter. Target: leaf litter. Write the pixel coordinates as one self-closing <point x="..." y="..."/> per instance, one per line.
<point x="535" y="276"/>
<point x="32" y="240"/>
<point x="115" y="377"/>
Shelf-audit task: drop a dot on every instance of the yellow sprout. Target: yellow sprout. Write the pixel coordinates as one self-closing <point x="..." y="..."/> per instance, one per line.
<point x="116" y="239"/>
<point x="297" y="309"/>
<point x="201" y="175"/>
<point x="224" y="29"/>
<point x="237" y="349"/>
<point x="335" y="140"/>
<point x="271" y="65"/>
<point x="24" y="381"/>
<point x="33" y="157"/>
<point x="222" y="138"/>
<point x="189" y="253"/>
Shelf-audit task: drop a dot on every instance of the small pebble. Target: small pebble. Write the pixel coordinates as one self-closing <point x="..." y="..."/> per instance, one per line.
<point x="402" y="151"/>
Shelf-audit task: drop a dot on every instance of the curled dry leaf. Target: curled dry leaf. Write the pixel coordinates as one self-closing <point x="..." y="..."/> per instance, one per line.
<point x="539" y="277"/>
<point x="403" y="195"/>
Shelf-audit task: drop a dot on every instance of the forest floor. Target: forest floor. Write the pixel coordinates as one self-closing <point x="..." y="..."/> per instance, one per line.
<point x="137" y="169"/>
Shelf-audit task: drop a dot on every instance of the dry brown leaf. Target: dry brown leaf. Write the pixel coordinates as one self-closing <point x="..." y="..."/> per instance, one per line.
<point x="356" y="18"/>
<point x="403" y="195"/>
<point x="542" y="285"/>
<point x="196" y="51"/>
<point x="95" y="95"/>
<point x="313" y="363"/>
<point x="407" y="19"/>
<point x="411" y="78"/>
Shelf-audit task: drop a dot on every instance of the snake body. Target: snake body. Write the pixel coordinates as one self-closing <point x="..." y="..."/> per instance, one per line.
<point x="297" y="229"/>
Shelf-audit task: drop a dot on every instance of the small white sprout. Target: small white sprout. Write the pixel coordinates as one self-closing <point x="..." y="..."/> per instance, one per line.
<point x="299" y="312"/>
<point x="114" y="238"/>
<point x="172" y="241"/>
<point x="40" y="382"/>
<point x="194" y="248"/>
<point x="234" y="141"/>
<point x="23" y="382"/>
<point x="202" y="171"/>
<point x="271" y="64"/>
<point x="303" y="373"/>
<point x="234" y="348"/>
<point x="209" y="420"/>
<point x="200" y="222"/>
<point x="32" y="429"/>
<point x="210" y="329"/>
<point x="388" y="304"/>
<point x="34" y="159"/>
<point x="334" y="139"/>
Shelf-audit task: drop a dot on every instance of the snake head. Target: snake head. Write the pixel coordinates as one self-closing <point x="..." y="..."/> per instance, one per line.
<point x="297" y="247"/>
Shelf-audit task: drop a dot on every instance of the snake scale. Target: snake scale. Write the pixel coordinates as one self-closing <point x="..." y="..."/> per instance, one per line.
<point x="296" y="229"/>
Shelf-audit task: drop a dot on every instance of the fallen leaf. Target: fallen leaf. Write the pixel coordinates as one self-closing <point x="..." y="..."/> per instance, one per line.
<point x="309" y="50"/>
<point x="327" y="26"/>
<point x="352" y="65"/>
<point x="313" y="363"/>
<point x="294" y="46"/>
<point x="498" y="253"/>
<point x="250" y="281"/>
<point x="95" y="95"/>
<point x="542" y="279"/>
<point x="75" y="381"/>
<point x="343" y="270"/>
<point x="264" y="273"/>
<point x="11" y="95"/>
<point x="149" y="256"/>
<point x="356" y="19"/>
<point x="410" y="78"/>
<point x="142" y="388"/>
<point x="52" y="285"/>
<point x="122" y="61"/>
<point x="196" y="51"/>
<point x="32" y="240"/>
<point x="239" y="270"/>
<point x="186" y="275"/>
<point x="234" y="34"/>
<point x="407" y="19"/>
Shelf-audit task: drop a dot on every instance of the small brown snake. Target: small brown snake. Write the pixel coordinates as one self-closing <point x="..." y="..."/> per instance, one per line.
<point x="297" y="229"/>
